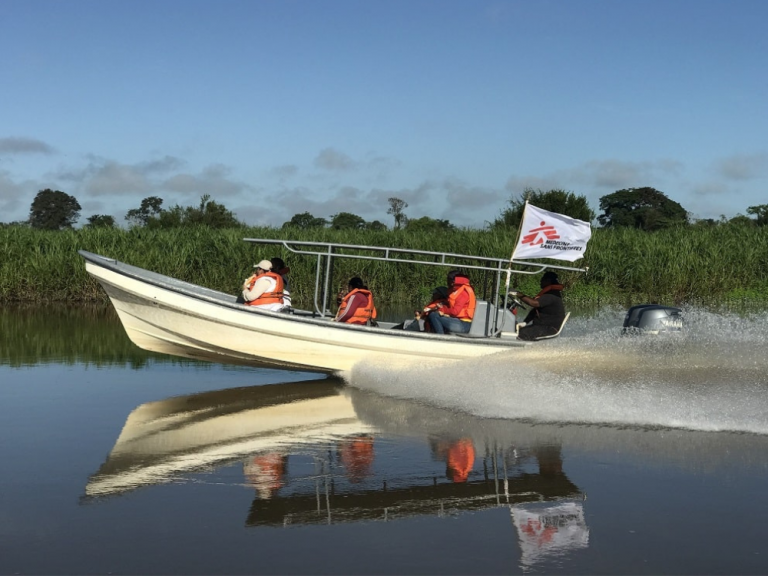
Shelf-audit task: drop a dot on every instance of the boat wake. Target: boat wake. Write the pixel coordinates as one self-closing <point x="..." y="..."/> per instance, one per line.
<point x="712" y="377"/>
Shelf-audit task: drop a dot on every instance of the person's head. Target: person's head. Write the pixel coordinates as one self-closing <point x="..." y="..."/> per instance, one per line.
<point x="277" y="264"/>
<point x="440" y="293"/>
<point x="262" y="267"/>
<point x="355" y="283"/>
<point x="549" y="278"/>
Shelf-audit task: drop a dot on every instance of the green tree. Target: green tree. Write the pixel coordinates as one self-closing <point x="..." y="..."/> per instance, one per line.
<point x="376" y="225"/>
<point x="645" y="208"/>
<point x="101" y="221"/>
<point x="427" y="224"/>
<point x="741" y="220"/>
<point x="53" y="210"/>
<point x="347" y="221"/>
<point x="149" y="210"/>
<point x="760" y="212"/>
<point x="560" y="201"/>
<point x="305" y="220"/>
<point x="396" y="207"/>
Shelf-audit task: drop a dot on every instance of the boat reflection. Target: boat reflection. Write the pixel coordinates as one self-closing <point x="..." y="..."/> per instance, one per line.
<point x="319" y="452"/>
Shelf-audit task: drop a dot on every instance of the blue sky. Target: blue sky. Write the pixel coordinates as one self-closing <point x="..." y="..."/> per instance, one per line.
<point x="281" y="107"/>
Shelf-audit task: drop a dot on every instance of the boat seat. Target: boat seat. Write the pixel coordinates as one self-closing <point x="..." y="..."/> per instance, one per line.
<point x="555" y="335"/>
<point x="477" y="327"/>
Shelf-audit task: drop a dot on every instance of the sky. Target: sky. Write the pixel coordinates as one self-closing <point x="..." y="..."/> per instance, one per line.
<point x="275" y="108"/>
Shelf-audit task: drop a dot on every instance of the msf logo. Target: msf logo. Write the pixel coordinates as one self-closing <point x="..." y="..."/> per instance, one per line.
<point x="539" y="235"/>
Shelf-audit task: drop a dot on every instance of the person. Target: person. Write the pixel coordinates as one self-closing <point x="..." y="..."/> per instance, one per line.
<point x="420" y="322"/>
<point x="357" y="305"/>
<point x="455" y="317"/>
<point x="279" y="267"/>
<point x="264" y="289"/>
<point x="547" y="310"/>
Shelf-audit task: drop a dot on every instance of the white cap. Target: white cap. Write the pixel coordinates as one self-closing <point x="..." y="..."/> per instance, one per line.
<point x="264" y="265"/>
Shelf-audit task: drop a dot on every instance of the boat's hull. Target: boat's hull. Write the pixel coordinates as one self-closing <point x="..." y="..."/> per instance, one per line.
<point x="164" y="315"/>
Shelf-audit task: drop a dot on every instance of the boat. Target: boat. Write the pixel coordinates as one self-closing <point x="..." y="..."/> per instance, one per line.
<point x="170" y="316"/>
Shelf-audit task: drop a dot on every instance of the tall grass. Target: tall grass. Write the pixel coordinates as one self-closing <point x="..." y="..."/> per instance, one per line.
<point x="626" y="266"/>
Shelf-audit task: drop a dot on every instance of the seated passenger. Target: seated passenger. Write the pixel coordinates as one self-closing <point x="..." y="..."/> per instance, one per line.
<point x="456" y="316"/>
<point x="547" y="310"/>
<point x="357" y="305"/>
<point x="264" y="289"/>
<point x="279" y="267"/>
<point x="420" y="323"/>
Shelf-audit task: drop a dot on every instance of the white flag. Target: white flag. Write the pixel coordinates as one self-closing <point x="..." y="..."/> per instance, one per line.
<point x="546" y="234"/>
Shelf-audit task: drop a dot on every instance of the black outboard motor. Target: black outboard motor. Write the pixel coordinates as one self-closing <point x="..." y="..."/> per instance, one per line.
<point x="652" y="319"/>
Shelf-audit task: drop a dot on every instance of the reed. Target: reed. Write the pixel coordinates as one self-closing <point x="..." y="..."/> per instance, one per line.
<point x="687" y="264"/>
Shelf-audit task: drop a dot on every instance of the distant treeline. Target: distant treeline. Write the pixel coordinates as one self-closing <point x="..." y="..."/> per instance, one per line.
<point x="686" y="264"/>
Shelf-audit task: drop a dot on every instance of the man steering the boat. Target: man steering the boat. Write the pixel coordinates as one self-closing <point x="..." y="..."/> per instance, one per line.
<point x="547" y="310"/>
<point x="455" y="317"/>
<point x="264" y="289"/>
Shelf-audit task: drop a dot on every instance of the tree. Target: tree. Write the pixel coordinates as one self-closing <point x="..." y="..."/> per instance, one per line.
<point x="761" y="212"/>
<point x="149" y="210"/>
<point x="376" y="226"/>
<point x="396" y="207"/>
<point x="644" y="208"/>
<point x="208" y="213"/>
<point x="347" y="221"/>
<point x="100" y="221"/>
<point x="427" y="224"/>
<point x="305" y="220"/>
<point x="53" y="210"/>
<point x="555" y="200"/>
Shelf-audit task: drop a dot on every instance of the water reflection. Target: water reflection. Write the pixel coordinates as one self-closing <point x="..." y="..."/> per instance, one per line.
<point x="321" y="453"/>
<point x="90" y="335"/>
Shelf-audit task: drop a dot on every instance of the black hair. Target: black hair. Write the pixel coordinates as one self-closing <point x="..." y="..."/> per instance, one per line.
<point x="277" y="264"/>
<point x="550" y="277"/>
<point x="356" y="282"/>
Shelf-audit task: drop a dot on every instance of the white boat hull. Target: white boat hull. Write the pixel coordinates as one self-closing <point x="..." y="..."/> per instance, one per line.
<point x="165" y="315"/>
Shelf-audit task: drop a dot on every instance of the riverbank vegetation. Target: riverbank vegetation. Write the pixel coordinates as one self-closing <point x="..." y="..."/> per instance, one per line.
<point x="683" y="264"/>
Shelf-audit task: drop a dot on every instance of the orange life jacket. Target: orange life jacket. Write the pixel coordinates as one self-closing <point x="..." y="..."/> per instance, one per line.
<point x="461" y="284"/>
<point x="361" y="315"/>
<point x="274" y="297"/>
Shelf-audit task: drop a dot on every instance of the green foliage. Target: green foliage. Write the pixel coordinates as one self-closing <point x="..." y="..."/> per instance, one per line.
<point x="741" y="220"/>
<point x="396" y="207"/>
<point x="304" y="221"/>
<point x="207" y="213"/>
<point x="761" y="212"/>
<point x="149" y="210"/>
<point x="375" y="225"/>
<point x="101" y="221"/>
<point x="643" y="208"/>
<point x="53" y="210"/>
<point x="626" y="265"/>
<point x="427" y="224"/>
<point x="347" y="221"/>
<point x="559" y="201"/>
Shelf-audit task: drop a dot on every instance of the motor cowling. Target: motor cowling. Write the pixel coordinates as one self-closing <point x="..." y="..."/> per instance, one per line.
<point x="653" y="319"/>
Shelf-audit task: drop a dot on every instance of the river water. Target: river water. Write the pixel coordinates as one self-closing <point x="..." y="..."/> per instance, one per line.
<point x="589" y="454"/>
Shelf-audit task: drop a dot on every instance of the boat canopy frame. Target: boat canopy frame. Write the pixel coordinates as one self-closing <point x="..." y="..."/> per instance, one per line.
<point x="326" y="252"/>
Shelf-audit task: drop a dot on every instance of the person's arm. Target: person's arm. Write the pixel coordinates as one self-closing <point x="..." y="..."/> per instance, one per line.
<point x="533" y="302"/>
<point x="353" y="304"/>
<point x="262" y="285"/>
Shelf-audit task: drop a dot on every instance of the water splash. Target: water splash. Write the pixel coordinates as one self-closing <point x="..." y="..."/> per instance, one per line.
<point x="713" y="376"/>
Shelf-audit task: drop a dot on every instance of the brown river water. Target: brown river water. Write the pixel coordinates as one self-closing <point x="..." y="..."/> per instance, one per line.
<point x="594" y="454"/>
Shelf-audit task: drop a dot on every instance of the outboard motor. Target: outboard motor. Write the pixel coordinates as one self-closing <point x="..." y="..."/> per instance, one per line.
<point x="652" y="319"/>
